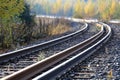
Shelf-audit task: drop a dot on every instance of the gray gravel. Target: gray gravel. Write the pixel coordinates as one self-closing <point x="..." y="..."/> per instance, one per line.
<point x="103" y="64"/>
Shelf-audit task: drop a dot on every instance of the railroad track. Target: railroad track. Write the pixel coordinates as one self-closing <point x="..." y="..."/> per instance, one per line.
<point x="41" y="66"/>
<point x="28" y="50"/>
<point x="91" y="68"/>
<point x="15" y="55"/>
<point x="101" y="38"/>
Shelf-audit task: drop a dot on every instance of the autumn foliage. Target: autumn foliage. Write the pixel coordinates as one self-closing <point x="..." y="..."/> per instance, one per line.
<point x="101" y="9"/>
<point x="16" y="22"/>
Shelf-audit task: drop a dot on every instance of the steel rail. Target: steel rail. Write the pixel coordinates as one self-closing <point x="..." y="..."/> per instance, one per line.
<point x="50" y="74"/>
<point x="38" y="67"/>
<point x="22" y="52"/>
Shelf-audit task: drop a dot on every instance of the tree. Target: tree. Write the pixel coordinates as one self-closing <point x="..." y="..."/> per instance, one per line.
<point x="10" y="8"/>
<point x="107" y="9"/>
<point x="56" y="6"/>
<point x="26" y="17"/>
<point x="27" y="24"/>
<point x="117" y="11"/>
<point x="89" y="9"/>
<point x="101" y="5"/>
<point x="113" y="8"/>
<point x="46" y="6"/>
<point x="79" y="8"/>
<point x="9" y="12"/>
<point x="66" y="6"/>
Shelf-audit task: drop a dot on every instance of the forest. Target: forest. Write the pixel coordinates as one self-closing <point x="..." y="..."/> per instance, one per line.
<point x="100" y="9"/>
<point x="18" y="23"/>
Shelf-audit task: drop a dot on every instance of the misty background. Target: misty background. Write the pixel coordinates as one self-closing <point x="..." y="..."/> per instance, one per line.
<point x="44" y="7"/>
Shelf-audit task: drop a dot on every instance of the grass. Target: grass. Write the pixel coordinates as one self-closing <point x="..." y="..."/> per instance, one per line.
<point x="59" y="29"/>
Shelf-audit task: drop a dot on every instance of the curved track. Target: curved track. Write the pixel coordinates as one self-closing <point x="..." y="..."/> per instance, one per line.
<point x="99" y="41"/>
<point x="11" y="56"/>
<point x="22" y="52"/>
<point x="61" y="61"/>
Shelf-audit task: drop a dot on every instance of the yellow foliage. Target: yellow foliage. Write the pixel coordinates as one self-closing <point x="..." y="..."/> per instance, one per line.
<point x="56" y="6"/>
<point x="113" y="7"/>
<point x="89" y="9"/>
<point x="79" y="8"/>
<point x="107" y="8"/>
<point x="59" y="3"/>
<point x="46" y="6"/>
<point x="101" y="5"/>
<point x="10" y="8"/>
<point x="105" y="15"/>
<point x="66" y="6"/>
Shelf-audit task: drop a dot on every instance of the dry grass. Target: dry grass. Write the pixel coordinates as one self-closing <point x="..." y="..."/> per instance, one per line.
<point x="50" y="27"/>
<point x="59" y="29"/>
